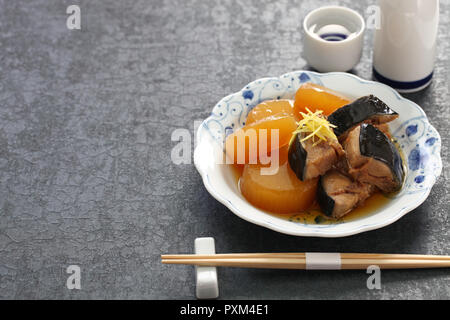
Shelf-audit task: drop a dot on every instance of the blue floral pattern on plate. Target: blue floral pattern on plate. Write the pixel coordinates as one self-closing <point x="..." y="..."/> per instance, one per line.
<point x="231" y="112"/>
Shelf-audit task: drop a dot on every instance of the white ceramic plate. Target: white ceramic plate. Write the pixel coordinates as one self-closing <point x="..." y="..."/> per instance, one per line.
<point x="419" y="141"/>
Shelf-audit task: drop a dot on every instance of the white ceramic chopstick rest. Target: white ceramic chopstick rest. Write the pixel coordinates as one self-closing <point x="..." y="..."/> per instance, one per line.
<point x="207" y="285"/>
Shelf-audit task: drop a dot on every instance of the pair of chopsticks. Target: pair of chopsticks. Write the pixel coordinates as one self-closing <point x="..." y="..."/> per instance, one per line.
<point x="299" y="260"/>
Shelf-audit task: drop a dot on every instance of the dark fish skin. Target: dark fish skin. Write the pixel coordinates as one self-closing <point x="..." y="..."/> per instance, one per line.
<point x="297" y="157"/>
<point x="365" y="108"/>
<point x="375" y="144"/>
<point x="326" y="203"/>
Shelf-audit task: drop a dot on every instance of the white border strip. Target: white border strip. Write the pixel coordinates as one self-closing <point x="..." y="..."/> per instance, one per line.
<point x="323" y="261"/>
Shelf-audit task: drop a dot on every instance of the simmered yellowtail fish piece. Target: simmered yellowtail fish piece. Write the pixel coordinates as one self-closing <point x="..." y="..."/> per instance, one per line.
<point x="314" y="148"/>
<point x="338" y="194"/>
<point x="373" y="158"/>
<point x="368" y="109"/>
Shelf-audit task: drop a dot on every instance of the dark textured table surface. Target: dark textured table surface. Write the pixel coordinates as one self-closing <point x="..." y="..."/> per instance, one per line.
<point x="86" y="118"/>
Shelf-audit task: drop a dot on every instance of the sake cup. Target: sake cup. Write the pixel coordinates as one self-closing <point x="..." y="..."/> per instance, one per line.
<point x="333" y="38"/>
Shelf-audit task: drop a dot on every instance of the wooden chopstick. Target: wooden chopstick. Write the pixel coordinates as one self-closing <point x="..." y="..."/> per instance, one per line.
<point x="302" y="255"/>
<point x="232" y="255"/>
<point x="283" y="263"/>
<point x="298" y="260"/>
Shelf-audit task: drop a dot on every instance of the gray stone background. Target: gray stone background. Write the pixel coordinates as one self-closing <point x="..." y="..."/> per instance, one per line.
<point x="85" y="173"/>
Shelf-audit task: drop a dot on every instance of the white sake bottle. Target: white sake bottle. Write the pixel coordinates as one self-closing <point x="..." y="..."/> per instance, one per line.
<point x="405" y="43"/>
